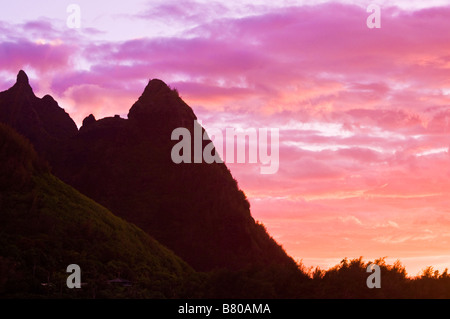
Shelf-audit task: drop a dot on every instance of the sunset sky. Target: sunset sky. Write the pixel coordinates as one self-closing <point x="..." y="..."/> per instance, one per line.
<point x="363" y="114"/>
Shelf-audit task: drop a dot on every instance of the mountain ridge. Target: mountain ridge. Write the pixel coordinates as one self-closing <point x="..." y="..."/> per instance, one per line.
<point x="196" y="210"/>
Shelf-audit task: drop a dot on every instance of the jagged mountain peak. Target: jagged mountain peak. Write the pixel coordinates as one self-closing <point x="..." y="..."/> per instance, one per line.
<point x="22" y="77"/>
<point x="88" y="120"/>
<point x="156" y="86"/>
<point x="159" y="103"/>
<point x="41" y="120"/>
<point x="158" y="91"/>
<point x="22" y="85"/>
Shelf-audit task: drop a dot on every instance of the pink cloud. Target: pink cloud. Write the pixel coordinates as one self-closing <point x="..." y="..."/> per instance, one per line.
<point x="41" y="57"/>
<point x="190" y="12"/>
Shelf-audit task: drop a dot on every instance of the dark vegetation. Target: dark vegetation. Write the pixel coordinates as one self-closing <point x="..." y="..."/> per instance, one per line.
<point x="215" y="249"/>
<point x="348" y="280"/>
<point x="47" y="225"/>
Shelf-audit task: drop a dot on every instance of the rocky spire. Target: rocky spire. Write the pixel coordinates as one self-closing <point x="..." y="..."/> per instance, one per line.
<point x="22" y="78"/>
<point x="42" y="121"/>
<point x="159" y="103"/>
<point x="22" y="83"/>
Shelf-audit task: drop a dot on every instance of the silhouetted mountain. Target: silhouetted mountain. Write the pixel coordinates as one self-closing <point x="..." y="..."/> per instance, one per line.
<point x="197" y="210"/>
<point x="47" y="225"/>
<point x="161" y="108"/>
<point x="42" y="121"/>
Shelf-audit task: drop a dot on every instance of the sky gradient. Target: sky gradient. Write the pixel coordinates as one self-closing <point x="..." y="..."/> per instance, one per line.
<point x="363" y="113"/>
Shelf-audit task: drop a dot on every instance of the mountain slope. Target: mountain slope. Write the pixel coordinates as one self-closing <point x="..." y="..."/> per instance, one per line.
<point x="45" y="225"/>
<point x="197" y="210"/>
